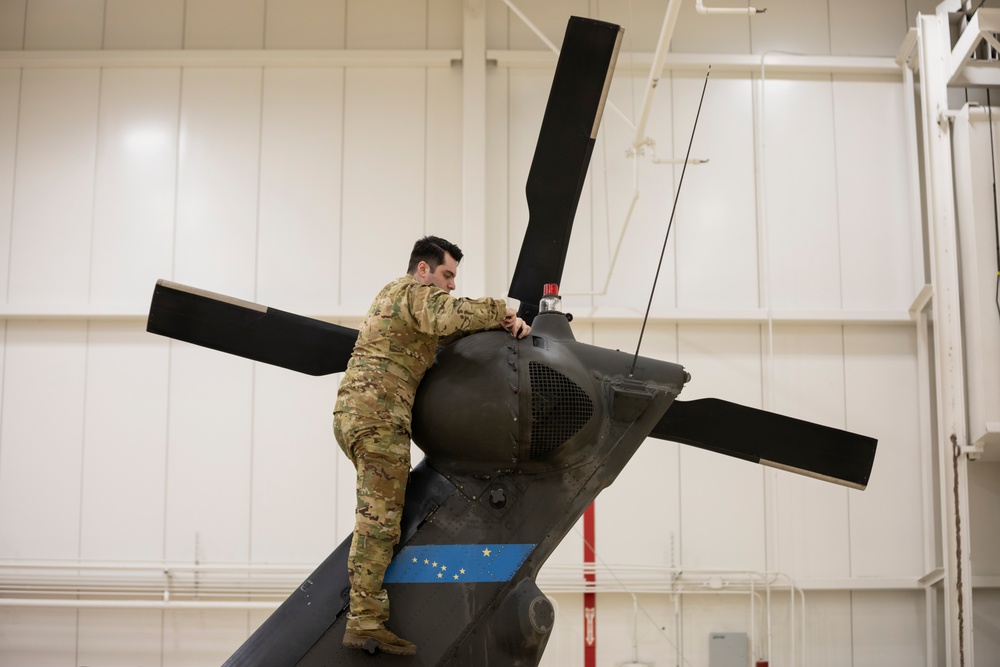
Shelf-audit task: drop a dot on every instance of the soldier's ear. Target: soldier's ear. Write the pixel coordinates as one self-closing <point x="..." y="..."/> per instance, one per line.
<point x="423" y="268"/>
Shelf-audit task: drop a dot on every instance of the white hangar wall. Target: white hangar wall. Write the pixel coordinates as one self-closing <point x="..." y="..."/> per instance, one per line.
<point x="786" y="284"/>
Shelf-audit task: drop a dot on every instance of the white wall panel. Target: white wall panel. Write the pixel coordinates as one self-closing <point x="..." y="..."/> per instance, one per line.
<point x="444" y="24"/>
<point x="194" y="638"/>
<point x="124" y="447"/>
<point x="887" y="532"/>
<point x="217" y="200"/>
<point x="209" y="449"/>
<point x="444" y="187"/>
<point x="54" y="186"/>
<point x="294" y="501"/>
<point x="827" y="629"/>
<point x="791" y="26"/>
<point x="569" y="552"/>
<point x="3" y="357"/>
<point x="658" y="342"/>
<point x="873" y="195"/>
<point x="55" y="24"/>
<point x="865" y="28"/>
<point x="811" y="528"/>
<point x="630" y="536"/>
<point x="698" y="33"/>
<point x="915" y="7"/>
<point x="549" y="16"/>
<point x="642" y="24"/>
<point x="383" y="192"/>
<point x="300" y="190"/>
<point x="119" y="637"/>
<point x="41" y="436"/>
<point x="602" y="188"/>
<point x="305" y="24"/>
<point x="10" y="93"/>
<point x="984" y="508"/>
<point x="496" y="236"/>
<point x="578" y="269"/>
<point x="565" y="645"/>
<point x="724" y="362"/>
<point x="367" y="27"/>
<point x="38" y="637"/>
<point x="12" y="25"/>
<point x="716" y="218"/>
<point x="610" y="191"/>
<point x="721" y="498"/>
<point x="640" y="626"/>
<point x="800" y="207"/>
<point x="224" y="24"/>
<point x="888" y="628"/>
<point x="528" y="91"/>
<point x="498" y="18"/>
<point x="615" y="180"/>
<point x="722" y="513"/>
<point x="144" y="24"/>
<point x="986" y="611"/>
<point x="135" y="185"/>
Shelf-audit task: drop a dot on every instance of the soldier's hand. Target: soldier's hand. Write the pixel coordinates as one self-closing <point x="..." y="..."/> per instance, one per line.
<point x="520" y="328"/>
<point x="514" y="324"/>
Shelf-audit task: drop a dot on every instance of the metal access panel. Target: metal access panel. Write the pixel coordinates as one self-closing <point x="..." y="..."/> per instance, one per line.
<point x="728" y="649"/>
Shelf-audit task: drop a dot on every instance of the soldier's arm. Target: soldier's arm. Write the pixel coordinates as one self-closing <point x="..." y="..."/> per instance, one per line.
<point x="438" y="313"/>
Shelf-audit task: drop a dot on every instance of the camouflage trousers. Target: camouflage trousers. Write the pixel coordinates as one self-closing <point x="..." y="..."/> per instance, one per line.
<point x="380" y="452"/>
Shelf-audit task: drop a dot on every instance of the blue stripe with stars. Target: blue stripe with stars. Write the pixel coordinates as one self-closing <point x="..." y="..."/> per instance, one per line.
<point x="456" y="563"/>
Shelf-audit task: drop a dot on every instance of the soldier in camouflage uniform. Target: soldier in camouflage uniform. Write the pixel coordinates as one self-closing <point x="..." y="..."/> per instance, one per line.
<point x="396" y="345"/>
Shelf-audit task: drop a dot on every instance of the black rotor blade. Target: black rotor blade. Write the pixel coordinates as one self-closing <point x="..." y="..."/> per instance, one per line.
<point x="562" y="155"/>
<point x="770" y="439"/>
<point x="249" y="330"/>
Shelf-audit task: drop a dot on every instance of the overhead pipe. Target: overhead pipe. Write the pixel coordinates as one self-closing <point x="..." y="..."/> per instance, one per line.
<point x="659" y="57"/>
<point x="748" y="11"/>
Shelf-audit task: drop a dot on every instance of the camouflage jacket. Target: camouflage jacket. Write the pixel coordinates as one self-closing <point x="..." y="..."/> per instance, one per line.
<point x="397" y="343"/>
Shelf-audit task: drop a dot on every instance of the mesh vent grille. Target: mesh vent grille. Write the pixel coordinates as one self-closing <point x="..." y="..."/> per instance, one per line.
<point x="559" y="409"/>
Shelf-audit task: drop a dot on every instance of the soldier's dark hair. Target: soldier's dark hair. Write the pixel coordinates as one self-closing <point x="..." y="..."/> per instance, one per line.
<point x="431" y="249"/>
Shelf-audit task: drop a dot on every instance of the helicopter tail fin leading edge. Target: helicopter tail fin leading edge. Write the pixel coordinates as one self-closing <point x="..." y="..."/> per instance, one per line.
<point x="770" y="439"/>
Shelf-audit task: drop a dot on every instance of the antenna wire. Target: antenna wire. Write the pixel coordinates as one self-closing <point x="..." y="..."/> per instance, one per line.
<point x="670" y="224"/>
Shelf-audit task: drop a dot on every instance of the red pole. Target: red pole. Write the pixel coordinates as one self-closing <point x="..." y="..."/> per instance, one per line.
<point x="589" y="597"/>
